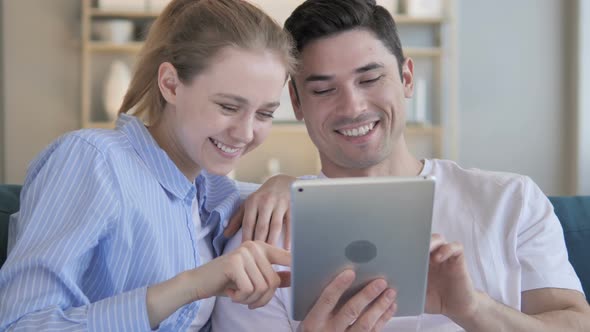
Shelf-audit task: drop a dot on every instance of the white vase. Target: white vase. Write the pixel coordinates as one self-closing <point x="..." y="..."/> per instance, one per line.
<point x="424" y="8"/>
<point x="115" y="88"/>
<point x="126" y="5"/>
<point x="115" y="31"/>
<point x="157" y="5"/>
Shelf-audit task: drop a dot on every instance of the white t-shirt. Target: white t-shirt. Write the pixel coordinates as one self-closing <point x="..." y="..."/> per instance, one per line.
<point x="205" y="250"/>
<point x="513" y="242"/>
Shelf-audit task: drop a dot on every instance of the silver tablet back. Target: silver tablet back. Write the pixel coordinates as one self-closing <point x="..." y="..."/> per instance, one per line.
<point x="380" y="227"/>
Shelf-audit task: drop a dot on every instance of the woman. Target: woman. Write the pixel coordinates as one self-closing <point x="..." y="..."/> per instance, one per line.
<point x="118" y="228"/>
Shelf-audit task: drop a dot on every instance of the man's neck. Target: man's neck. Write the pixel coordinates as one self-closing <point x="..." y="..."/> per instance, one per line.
<point x="400" y="163"/>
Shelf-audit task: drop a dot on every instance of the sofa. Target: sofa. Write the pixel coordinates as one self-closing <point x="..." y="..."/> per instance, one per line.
<point x="573" y="213"/>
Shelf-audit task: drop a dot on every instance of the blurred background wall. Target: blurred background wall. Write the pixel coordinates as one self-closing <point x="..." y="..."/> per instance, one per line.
<point x="518" y="66"/>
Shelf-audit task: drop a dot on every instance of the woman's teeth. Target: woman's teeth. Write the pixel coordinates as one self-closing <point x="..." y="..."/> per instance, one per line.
<point x="224" y="147"/>
<point x="360" y="131"/>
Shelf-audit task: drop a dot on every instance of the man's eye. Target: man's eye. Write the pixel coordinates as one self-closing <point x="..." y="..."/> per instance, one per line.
<point x="322" y="92"/>
<point x="371" y="80"/>
<point x="228" y="108"/>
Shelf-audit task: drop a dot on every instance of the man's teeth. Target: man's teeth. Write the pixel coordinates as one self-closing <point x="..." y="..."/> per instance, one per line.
<point x="361" y="131"/>
<point x="224" y="147"/>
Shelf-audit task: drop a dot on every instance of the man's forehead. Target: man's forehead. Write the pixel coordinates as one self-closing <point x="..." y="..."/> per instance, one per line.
<point x="344" y="52"/>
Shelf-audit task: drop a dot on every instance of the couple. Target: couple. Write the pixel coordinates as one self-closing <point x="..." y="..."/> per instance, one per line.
<point x="122" y="230"/>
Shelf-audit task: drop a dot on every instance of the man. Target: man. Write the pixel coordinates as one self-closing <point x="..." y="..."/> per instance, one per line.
<point x="505" y="266"/>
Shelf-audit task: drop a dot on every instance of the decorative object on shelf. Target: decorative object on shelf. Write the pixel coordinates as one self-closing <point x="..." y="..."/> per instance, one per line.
<point x="128" y="5"/>
<point x="115" y="87"/>
<point x="420" y="101"/>
<point x="114" y="31"/>
<point x="279" y="9"/>
<point x="424" y="8"/>
<point x="391" y="5"/>
<point x="273" y="167"/>
<point x="157" y="5"/>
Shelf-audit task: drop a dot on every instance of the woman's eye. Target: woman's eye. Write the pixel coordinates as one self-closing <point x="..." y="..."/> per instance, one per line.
<point x="266" y="115"/>
<point x="371" y="80"/>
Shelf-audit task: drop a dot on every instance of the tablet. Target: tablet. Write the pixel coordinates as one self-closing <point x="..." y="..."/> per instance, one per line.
<point x="380" y="227"/>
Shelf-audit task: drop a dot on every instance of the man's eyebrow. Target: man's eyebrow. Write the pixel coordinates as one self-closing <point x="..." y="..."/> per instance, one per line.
<point x="314" y="78"/>
<point x="244" y="101"/>
<point x="368" y="67"/>
<point x="363" y="69"/>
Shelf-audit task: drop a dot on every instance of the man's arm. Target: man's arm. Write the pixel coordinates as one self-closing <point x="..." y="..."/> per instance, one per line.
<point x="548" y="309"/>
<point x="451" y="293"/>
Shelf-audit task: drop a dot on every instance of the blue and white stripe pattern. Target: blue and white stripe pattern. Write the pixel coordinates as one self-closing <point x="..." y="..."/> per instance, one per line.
<point x="104" y="214"/>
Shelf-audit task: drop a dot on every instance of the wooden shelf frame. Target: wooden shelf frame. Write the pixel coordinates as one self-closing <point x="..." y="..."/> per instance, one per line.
<point x="442" y="54"/>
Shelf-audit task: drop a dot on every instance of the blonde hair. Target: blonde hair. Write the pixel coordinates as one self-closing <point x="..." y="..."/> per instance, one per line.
<point x="188" y="34"/>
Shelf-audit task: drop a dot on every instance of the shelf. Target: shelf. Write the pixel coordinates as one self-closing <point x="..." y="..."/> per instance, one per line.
<point x="100" y="125"/>
<point x="422" y="129"/>
<point x="128" y="14"/>
<point x="281" y="126"/>
<point x="98" y="46"/>
<point x="299" y="127"/>
<point x="405" y="19"/>
<point x="135" y="47"/>
<point x="427" y="138"/>
<point x="423" y="51"/>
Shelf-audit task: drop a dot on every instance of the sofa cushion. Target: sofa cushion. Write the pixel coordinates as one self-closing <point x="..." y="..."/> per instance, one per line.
<point x="9" y="204"/>
<point x="574" y="215"/>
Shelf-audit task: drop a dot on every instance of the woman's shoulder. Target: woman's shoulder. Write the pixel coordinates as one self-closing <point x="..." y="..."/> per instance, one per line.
<point x="77" y="147"/>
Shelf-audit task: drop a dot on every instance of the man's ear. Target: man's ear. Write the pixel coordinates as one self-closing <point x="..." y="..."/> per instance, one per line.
<point x="408" y="77"/>
<point x="295" y="102"/>
<point x="168" y="82"/>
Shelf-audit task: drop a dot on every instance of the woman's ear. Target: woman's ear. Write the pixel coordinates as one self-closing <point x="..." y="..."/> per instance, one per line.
<point x="408" y="77"/>
<point x="295" y="102"/>
<point x="168" y="82"/>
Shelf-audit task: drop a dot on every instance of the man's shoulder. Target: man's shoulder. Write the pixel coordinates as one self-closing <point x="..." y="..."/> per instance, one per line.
<point x="451" y="173"/>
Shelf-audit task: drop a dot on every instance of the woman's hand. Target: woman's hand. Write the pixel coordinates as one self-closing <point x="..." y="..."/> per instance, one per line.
<point x="245" y="275"/>
<point x="266" y="213"/>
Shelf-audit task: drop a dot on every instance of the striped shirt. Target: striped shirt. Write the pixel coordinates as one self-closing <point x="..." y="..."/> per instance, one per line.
<point x="104" y="214"/>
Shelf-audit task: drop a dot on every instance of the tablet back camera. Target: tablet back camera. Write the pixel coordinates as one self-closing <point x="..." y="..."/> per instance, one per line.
<point x="361" y="251"/>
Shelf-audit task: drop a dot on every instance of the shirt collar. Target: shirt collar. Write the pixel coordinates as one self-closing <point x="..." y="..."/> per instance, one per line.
<point x="157" y="160"/>
<point x="217" y="193"/>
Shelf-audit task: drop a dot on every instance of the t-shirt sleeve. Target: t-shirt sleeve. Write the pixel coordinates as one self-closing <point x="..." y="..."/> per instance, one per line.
<point x="541" y="248"/>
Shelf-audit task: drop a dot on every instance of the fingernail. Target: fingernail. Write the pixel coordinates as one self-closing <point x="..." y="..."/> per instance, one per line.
<point x="390" y="294"/>
<point x="347" y="276"/>
<point x="380" y="285"/>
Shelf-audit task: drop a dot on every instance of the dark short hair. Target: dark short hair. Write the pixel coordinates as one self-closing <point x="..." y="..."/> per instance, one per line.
<point x="315" y="19"/>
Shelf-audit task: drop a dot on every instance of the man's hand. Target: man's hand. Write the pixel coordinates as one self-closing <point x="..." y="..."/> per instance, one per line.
<point x="368" y="310"/>
<point x="450" y="290"/>
<point x="265" y="213"/>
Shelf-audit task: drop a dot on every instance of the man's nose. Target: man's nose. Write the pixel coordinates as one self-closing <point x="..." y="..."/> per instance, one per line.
<point x="353" y="102"/>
